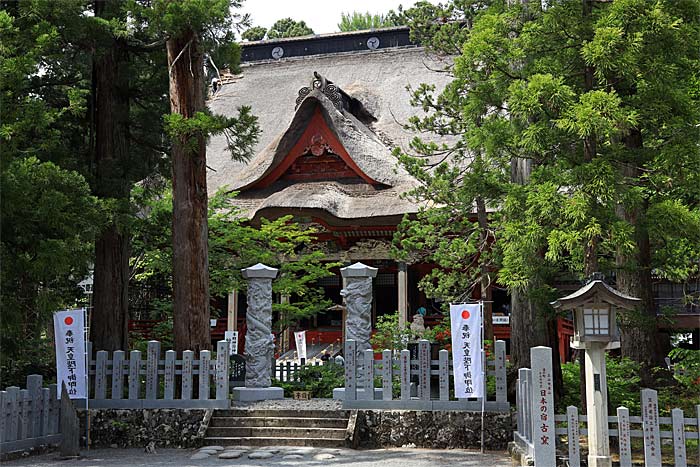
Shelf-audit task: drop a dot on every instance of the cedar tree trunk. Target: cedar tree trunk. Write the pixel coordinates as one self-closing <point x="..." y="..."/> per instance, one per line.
<point x="110" y="315"/>
<point x="190" y="250"/>
<point x="639" y="339"/>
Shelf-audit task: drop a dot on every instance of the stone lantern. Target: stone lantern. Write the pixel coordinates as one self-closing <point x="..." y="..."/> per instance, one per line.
<point x="595" y="307"/>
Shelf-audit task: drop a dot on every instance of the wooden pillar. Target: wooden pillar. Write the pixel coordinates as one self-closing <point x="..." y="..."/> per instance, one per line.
<point x="403" y="293"/>
<point x="286" y="334"/>
<point x="232" y="323"/>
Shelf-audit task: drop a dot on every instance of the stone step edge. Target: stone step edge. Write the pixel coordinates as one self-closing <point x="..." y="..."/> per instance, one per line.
<point x="289" y="431"/>
<point x="225" y="417"/>
<point x="314" y="413"/>
<point x="239" y="439"/>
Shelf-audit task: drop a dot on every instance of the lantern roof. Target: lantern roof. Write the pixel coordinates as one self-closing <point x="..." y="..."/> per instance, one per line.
<point x="596" y="291"/>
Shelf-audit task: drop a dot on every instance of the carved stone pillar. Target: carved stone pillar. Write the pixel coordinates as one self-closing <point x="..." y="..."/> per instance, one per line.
<point x="259" y="346"/>
<point x="358" y="299"/>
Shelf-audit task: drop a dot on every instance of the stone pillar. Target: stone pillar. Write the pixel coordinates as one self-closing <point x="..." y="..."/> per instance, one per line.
<point x="358" y="299"/>
<point x="597" y="406"/>
<point x="232" y="323"/>
<point x="259" y="346"/>
<point x="403" y="293"/>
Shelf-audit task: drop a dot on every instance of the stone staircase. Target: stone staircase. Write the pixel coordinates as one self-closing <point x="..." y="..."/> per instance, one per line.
<point x="239" y="427"/>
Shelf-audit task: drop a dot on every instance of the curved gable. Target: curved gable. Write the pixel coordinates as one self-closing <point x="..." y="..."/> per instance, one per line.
<point x="317" y="155"/>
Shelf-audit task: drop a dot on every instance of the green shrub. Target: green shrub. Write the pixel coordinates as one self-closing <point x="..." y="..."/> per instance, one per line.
<point x="320" y="380"/>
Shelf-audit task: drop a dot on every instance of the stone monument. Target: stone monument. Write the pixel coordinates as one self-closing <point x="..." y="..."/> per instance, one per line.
<point x="357" y="294"/>
<point x="259" y="347"/>
<point x="358" y="300"/>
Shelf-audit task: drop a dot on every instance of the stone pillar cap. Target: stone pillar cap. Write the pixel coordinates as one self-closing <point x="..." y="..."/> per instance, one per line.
<point x="358" y="270"/>
<point x="259" y="271"/>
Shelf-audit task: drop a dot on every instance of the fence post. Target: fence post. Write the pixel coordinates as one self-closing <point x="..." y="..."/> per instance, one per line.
<point x="53" y="416"/>
<point x="118" y="374"/>
<point x="101" y="375"/>
<point x="543" y="436"/>
<point x="187" y="359"/>
<point x="13" y="423"/>
<point x="134" y="376"/>
<point x="24" y="414"/>
<point x="519" y="406"/>
<point x="34" y="383"/>
<point x="444" y="374"/>
<point x="573" y="434"/>
<point x="678" y="438"/>
<point x="45" y="414"/>
<point x="350" y="371"/>
<point x="368" y="377"/>
<point x="387" y="375"/>
<point x="424" y="369"/>
<point x="4" y="410"/>
<point x="405" y="375"/>
<point x="204" y="365"/>
<point x="650" y="425"/>
<point x="222" y="363"/>
<point x="697" y="418"/>
<point x="526" y="396"/>
<point x="623" y="435"/>
<point x="169" y="389"/>
<point x="152" y="357"/>
<point x="501" y="384"/>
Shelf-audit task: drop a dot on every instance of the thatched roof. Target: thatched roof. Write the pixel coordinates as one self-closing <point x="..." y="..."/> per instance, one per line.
<point x="378" y="80"/>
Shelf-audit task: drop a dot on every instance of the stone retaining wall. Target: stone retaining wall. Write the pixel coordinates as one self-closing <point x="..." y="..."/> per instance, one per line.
<point x="177" y="428"/>
<point x="388" y="428"/>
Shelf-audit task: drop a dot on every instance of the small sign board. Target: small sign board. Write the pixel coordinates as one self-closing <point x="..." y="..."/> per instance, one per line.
<point x="232" y="338"/>
<point x="501" y="320"/>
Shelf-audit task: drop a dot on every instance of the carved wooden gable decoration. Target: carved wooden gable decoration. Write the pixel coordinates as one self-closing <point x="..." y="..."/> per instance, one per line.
<point x="318" y="155"/>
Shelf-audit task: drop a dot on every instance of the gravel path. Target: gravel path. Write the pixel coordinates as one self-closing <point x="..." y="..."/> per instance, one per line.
<point x="276" y="456"/>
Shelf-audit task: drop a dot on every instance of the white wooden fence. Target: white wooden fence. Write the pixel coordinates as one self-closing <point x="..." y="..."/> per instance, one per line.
<point x="287" y="371"/>
<point x="360" y="376"/>
<point x="29" y="417"/>
<point x="648" y="426"/>
<point x="135" y="383"/>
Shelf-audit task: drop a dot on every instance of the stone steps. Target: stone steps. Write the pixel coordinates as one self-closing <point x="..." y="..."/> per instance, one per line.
<point x="310" y="422"/>
<point x="285" y="427"/>
<point x="276" y="432"/>
<point x="282" y="413"/>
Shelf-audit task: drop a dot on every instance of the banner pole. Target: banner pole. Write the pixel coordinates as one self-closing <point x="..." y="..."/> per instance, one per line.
<point x="484" y="362"/>
<point x="87" y="378"/>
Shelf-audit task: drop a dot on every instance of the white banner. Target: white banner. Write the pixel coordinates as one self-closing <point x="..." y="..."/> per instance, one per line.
<point x="69" y="332"/>
<point x="465" y="322"/>
<point x="232" y="338"/>
<point x="300" y="338"/>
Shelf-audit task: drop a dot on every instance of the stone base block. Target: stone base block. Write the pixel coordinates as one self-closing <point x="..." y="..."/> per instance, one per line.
<point x="257" y="394"/>
<point x="339" y="393"/>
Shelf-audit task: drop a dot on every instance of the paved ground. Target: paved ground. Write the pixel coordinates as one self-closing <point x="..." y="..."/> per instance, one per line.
<point x="306" y="457"/>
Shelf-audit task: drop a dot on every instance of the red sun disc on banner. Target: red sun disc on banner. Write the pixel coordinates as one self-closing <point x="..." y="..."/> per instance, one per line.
<point x="68" y="320"/>
<point x="465" y="314"/>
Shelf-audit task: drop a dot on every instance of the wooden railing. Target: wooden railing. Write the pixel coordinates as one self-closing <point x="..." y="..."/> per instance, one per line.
<point x="29" y="417"/>
<point x="360" y="377"/>
<point x="120" y="383"/>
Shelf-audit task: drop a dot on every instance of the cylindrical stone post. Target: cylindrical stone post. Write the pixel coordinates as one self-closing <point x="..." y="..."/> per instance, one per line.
<point x="259" y="346"/>
<point x="358" y="300"/>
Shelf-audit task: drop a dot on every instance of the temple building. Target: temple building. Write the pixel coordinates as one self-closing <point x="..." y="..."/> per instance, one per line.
<point x="331" y="109"/>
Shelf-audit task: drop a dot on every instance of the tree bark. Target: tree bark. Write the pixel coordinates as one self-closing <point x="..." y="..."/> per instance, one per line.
<point x="639" y="336"/>
<point x="485" y="281"/>
<point x="190" y="229"/>
<point x="110" y="314"/>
